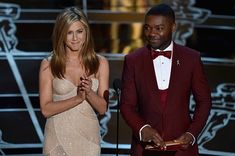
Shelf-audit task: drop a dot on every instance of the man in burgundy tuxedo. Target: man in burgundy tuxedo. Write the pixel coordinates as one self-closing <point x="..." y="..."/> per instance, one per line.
<point x="157" y="82"/>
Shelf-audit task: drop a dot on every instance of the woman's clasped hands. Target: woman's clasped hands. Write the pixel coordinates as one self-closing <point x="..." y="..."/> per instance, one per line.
<point x="85" y="86"/>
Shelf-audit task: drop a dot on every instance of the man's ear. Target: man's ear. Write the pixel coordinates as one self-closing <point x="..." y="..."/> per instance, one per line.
<point x="174" y="27"/>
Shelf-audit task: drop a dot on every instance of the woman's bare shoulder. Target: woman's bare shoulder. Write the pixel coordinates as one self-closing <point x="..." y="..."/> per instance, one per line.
<point x="45" y="65"/>
<point x="46" y="61"/>
<point x="102" y="59"/>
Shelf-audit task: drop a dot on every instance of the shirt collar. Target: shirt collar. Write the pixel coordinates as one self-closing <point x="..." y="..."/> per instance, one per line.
<point x="169" y="48"/>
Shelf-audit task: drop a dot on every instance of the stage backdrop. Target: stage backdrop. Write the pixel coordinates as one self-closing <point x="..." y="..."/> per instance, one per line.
<point x="21" y="122"/>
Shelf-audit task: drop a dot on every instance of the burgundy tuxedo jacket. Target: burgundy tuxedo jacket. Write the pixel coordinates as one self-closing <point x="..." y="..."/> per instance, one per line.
<point x="140" y="101"/>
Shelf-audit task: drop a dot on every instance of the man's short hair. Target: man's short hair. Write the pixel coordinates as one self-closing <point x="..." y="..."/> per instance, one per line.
<point x="162" y="9"/>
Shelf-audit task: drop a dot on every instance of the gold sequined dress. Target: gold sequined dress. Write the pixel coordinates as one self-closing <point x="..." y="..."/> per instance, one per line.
<point x="74" y="132"/>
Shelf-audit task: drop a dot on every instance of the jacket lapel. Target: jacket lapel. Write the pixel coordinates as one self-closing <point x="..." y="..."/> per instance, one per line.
<point x="151" y="81"/>
<point x="175" y="67"/>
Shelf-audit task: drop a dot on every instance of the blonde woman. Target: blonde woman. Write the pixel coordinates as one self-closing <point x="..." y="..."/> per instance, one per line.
<point x="73" y="88"/>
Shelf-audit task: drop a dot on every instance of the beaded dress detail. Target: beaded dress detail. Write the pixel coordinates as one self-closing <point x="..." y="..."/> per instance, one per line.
<point x="75" y="132"/>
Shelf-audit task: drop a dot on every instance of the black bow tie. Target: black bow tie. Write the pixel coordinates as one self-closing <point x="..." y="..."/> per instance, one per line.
<point x="158" y="53"/>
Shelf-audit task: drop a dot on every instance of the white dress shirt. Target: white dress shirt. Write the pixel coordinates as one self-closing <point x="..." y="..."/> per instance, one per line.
<point x="162" y="68"/>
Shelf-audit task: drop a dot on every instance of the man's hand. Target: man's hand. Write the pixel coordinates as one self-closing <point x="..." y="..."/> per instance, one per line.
<point x="186" y="140"/>
<point x="149" y="134"/>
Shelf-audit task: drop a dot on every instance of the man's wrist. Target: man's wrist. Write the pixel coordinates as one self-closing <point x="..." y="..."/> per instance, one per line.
<point x="194" y="139"/>
<point x="147" y="125"/>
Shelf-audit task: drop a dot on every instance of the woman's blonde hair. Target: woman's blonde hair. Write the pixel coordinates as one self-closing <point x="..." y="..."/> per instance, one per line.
<point x="64" y="20"/>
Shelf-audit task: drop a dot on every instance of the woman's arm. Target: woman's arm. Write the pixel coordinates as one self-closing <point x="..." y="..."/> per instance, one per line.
<point x="48" y="107"/>
<point x="99" y="101"/>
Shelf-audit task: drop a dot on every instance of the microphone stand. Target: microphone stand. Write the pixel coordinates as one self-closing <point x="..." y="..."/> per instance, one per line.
<point x="117" y="88"/>
<point x="118" y="111"/>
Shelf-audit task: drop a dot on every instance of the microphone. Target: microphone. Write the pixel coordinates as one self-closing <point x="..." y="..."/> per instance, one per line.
<point x="117" y="85"/>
